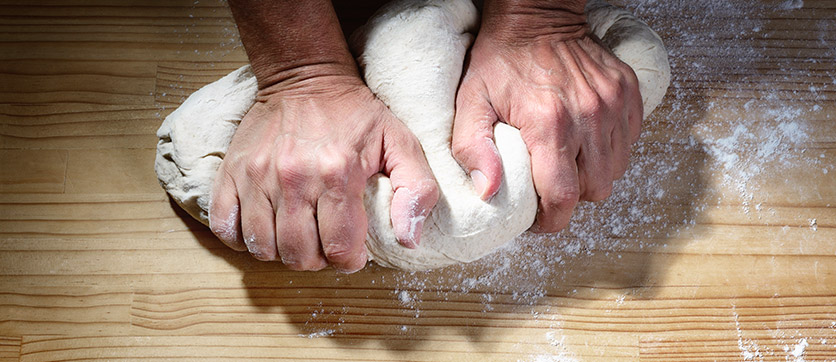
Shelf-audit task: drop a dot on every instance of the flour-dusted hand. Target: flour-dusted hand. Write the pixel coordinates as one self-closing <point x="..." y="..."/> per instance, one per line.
<point x="535" y="66"/>
<point x="291" y="185"/>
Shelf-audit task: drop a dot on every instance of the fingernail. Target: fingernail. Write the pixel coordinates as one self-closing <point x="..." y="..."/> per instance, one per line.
<point x="360" y="256"/>
<point x="480" y="182"/>
<point x="411" y="237"/>
<point x="417" y="228"/>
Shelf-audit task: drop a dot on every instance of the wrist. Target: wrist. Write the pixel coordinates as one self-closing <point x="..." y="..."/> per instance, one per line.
<point x="524" y="21"/>
<point x="291" y="43"/>
<point x="306" y="78"/>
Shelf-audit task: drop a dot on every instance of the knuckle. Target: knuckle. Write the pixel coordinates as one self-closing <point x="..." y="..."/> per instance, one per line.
<point x="627" y="74"/>
<point x="562" y="199"/>
<point x="591" y="107"/>
<point x="343" y="256"/>
<point x="548" y="110"/>
<point x="338" y="252"/>
<point x="291" y="171"/>
<point x="257" y="165"/>
<point x="334" y="169"/>
<point x="292" y="253"/>
<point x="614" y="90"/>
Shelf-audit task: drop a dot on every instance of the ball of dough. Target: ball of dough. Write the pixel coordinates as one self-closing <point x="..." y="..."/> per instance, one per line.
<point x="411" y="53"/>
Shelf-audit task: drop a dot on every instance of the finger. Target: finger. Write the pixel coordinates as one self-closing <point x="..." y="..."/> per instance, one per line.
<point x="342" y="228"/>
<point x="636" y="108"/>
<point x="258" y="223"/>
<point x="595" y="169"/>
<point x="297" y="237"/>
<point x="620" y="145"/>
<point x="224" y="212"/>
<point x="473" y="144"/>
<point x="555" y="176"/>
<point x="415" y="188"/>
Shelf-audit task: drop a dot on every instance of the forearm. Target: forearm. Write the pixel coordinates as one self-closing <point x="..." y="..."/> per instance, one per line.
<point x="521" y="20"/>
<point x="290" y="42"/>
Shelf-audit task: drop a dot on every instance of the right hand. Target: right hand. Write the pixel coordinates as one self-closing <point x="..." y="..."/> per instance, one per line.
<point x="292" y="183"/>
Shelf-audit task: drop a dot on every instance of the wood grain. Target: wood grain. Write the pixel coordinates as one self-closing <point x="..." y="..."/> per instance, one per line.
<point x="718" y="245"/>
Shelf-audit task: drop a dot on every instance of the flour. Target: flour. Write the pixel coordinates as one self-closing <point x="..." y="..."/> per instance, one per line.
<point x="772" y="147"/>
<point x="797" y="352"/>
<point x="318" y="334"/>
<point x="749" y="350"/>
<point x="791" y="5"/>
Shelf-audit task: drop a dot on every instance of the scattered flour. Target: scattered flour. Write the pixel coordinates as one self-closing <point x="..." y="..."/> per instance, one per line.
<point x="318" y="334"/>
<point x="752" y="153"/>
<point x="749" y="350"/>
<point x="561" y="355"/>
<point x="797" y="353"/>
<point x="791" y="5"/>
<point x="548" y="358"/>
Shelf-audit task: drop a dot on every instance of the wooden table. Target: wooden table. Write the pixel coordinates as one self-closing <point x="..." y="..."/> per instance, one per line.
<point x="719" y="245"/>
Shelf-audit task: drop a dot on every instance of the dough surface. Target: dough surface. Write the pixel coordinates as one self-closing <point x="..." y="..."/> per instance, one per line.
<point x="411" y="53"/>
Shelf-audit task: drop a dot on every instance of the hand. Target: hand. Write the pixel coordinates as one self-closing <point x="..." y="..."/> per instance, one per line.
<point x="577" y="106"/>
<point x="291" y="185"/>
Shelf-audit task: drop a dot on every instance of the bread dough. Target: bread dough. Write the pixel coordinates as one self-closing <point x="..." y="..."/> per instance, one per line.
<point x="411" y="53"/>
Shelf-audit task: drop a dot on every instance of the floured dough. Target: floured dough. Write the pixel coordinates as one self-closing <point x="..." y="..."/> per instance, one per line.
<point x="411" y="53"/>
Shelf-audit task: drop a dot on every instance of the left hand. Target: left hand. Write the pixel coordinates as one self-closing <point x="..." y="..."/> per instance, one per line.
<point x="577" y="106"/>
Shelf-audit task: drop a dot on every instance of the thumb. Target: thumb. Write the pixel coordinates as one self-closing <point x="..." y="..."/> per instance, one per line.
<point x="473" y="144"/>
<point x="415" y="188"/>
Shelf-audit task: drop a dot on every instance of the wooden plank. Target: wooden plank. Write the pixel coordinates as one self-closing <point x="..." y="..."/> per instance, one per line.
<point x="72" y="126"/>
<point x="10" y="349"/>
<point x="30" y="171"/>
<point x="177" y="80"/>
<point x="31" y="82"/>
<point x="416" y="347"/>
<point x="129" y="171"/>
<point x="743" y="344"/>
<point x="65" y="310"/>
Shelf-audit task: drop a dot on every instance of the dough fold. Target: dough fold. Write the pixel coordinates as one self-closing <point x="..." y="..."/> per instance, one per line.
<point x="411" y="53"/>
